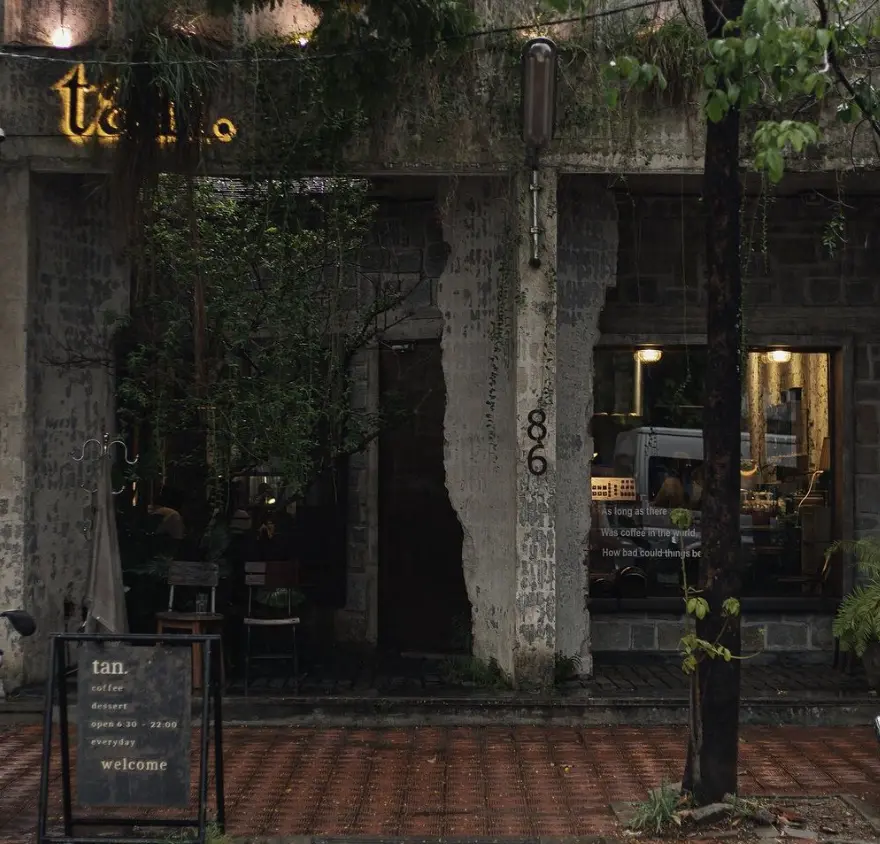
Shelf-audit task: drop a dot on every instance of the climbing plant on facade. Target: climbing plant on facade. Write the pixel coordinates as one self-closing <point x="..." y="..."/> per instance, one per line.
<point x="252" y="297"/>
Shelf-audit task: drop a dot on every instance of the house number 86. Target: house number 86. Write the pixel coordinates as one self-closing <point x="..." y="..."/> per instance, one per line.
<point x="536" y="431"/>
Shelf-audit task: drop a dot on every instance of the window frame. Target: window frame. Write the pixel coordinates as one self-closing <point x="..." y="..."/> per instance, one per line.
<point x="841" y="352"/>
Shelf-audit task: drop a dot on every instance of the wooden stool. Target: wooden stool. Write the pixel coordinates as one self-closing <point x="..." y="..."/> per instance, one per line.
<point x="195" y="624"/>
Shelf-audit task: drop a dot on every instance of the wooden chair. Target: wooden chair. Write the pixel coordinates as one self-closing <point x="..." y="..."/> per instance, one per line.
<point x="203" y="577"/>
<point x="274" y="576"/>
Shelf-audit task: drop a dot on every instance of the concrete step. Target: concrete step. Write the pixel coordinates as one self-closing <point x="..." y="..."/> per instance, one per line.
<point x="509" y="709"/>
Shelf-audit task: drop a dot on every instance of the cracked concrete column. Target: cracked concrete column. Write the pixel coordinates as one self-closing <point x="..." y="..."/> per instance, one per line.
<point x="587" y="255"/>
<point x="15" y="247"/>
<point x="475" y="294"/>
<point x="536" y="428"/>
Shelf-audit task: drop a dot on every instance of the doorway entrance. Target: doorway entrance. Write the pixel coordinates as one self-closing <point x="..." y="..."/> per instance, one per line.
<point x="423" y="603"/>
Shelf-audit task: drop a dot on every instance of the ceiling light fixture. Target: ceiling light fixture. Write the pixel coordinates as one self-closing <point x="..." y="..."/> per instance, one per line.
<point x="649" y="355"/>
<point x="779" y="356"/>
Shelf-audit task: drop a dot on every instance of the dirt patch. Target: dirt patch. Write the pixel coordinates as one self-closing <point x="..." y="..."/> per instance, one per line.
<point x="828" y="820"/>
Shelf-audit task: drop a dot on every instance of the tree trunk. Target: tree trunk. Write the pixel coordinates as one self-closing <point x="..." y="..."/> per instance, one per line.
<point x="719" y="681"/>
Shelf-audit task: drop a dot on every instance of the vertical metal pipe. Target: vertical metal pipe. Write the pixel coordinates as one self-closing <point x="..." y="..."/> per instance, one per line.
<point x="64" y="729"/>
<point x="43" y="804"/>
<point x="207" y="682"/>
<point x="637" y="385"/>
<point x="534" y="228"/>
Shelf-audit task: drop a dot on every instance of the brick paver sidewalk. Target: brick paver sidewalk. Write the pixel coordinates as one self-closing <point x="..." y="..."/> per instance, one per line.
<point x="519" y="781"/>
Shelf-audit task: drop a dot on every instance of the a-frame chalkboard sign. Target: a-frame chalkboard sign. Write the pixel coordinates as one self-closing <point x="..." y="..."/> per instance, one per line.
<point x="133" y="734"/>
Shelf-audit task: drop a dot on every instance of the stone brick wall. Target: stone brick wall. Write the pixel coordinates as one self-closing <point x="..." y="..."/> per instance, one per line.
<point x="797" y="288"/>
<point x="762" y="632"/>
<point x="788" y="265"/>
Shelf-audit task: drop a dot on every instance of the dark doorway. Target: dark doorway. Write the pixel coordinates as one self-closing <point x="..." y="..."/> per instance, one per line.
<point x="423" y="603"/>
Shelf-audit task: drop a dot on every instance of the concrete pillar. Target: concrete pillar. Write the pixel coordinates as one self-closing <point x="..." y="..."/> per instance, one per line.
<point x="475" y="296"/>
<point x="536" y="429"/>
<point x="587" y="267"/>
<point x="15" y="268"/>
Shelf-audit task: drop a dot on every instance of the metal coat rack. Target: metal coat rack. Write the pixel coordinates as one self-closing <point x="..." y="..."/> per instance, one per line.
<point x="105" y="451"/>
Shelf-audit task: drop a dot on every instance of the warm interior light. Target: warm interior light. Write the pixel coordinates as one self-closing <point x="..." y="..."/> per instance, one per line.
<point x="649" y="355"/>
<point x="303" y="41"/>
<point x="62" y="38"/>
<point x="779" y="356"/>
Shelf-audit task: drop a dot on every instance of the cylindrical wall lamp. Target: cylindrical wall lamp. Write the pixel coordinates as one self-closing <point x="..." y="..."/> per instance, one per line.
<point x="539" y="69"/>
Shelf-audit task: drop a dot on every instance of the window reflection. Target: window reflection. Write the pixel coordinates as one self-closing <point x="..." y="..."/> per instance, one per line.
<point x="648" y="460"/>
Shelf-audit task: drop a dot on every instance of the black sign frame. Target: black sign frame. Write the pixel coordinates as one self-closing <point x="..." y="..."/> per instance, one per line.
<point x="211" y="716"/>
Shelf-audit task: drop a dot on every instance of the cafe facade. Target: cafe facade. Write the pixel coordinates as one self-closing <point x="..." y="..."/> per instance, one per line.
<point x="554" y="357"/>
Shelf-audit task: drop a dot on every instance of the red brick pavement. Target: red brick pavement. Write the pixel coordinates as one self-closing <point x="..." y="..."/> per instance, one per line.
<point x="519" y="781"/>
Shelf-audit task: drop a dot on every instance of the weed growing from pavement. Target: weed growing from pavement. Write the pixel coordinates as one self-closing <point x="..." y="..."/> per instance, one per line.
<point x="565" y="668"/>
<point x="660" y="811"/>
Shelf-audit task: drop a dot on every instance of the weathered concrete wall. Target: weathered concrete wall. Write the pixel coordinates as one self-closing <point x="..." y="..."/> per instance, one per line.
<point x="39" y="21"/>
<point x="79" y="280"/>
<point x="15" y="248"/>
<point x="475" y="297"/>
<point x="587" y="267"/>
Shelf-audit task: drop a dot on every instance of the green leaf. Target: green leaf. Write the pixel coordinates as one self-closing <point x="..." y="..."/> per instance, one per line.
<point x="823" y="38"/>
<point x="775" y="164"/>
<point x="730" y="607"/>
<point x="718" y="47"/>
<point x="732" y="93"/>
<point x="716" y="106"/>
<point x="701" y="610"/>
<point x="751" y="47"/>
<point x="691" y="606"/>
<point x="612" y="95"/>
<point x="848" y="112"/>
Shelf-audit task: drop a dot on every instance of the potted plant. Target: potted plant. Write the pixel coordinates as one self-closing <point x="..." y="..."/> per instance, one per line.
<point x="857" y="624"/>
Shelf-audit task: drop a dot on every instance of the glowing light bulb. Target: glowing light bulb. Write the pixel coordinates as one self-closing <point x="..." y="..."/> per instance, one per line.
<point x="649" y="355"/>
<point x="303" y="41"/>
<point x="779" y="356"/>
<point x="62" y="38"/>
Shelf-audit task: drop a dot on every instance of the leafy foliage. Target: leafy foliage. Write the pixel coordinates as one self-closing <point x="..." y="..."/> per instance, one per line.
<point x="248" y="312"/>
<point x="857" y="623"/>
<point x="565" y="668"/>
<point x="781" y="59"/>
<point x="660" y="812"/>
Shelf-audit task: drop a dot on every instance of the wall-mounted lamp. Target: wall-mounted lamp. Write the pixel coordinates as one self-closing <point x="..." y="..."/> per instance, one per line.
<point x="779" y="356"/>
<point x="62" y="38"/>
<point x="649" y="355"/>
<point x="539" y="71"/>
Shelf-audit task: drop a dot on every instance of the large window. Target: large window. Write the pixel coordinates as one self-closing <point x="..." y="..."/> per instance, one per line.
<point x="648" y="460"/>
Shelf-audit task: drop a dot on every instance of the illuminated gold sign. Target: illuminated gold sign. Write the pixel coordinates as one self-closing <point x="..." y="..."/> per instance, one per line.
<point x="86" y="112"/>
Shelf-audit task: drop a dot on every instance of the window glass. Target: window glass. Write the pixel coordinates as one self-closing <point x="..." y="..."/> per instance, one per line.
<point x="648" y="461"/>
